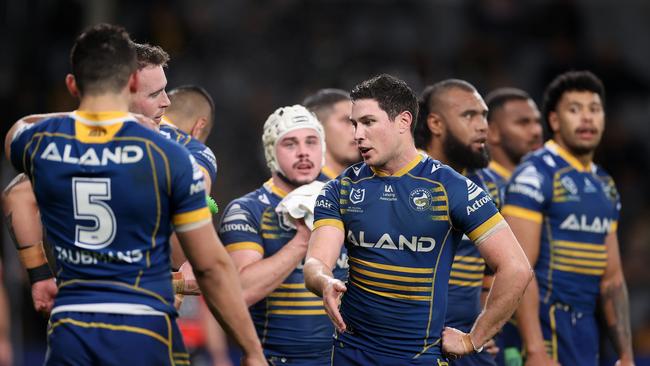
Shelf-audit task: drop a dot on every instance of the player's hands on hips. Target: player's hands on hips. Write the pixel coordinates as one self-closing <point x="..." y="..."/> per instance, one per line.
<point x="332" y="293"/>
<point x="491" y="348"/>
<point x="540" y="359"/>
<point x="43" y="294"/>
<point x="455" y="344"/>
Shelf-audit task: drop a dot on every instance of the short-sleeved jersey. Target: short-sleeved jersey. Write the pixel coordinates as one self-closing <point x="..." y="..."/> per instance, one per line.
<point x="577" y="207"/>
<point x="290" y="321"/>
<point x="468" y="268"/>
<point x="203" y="154"/>
<point x="109" y="190"/>
<point x="401" y="232"/>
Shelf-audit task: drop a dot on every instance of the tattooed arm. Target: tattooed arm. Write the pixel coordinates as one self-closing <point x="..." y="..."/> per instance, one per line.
<point x="24" y="224"/>
<point x="614" y="301"/>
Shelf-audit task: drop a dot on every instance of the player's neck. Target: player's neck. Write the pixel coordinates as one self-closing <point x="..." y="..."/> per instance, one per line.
<point x="402" y="159"/>
<point x="585" y="158"/>
<point x="104" y="102"/>
<point x="500" y="157"/>
<point x="282" y="185"/>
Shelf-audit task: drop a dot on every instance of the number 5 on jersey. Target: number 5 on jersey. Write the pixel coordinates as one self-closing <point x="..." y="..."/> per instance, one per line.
<point x="89" y="196"/>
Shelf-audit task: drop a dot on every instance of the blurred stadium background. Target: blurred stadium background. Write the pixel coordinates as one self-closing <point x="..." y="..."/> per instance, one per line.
<point x="254" y="56"/>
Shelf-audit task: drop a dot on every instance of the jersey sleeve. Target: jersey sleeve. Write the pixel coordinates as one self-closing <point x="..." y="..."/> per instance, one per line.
<point x="20" y="143"/>
<point x="240" y="228"/>
<point x="472" y="209"/>
<point x="189" y="209"/>
<point x="528" y="192"/>
<point x="327" y="208"/>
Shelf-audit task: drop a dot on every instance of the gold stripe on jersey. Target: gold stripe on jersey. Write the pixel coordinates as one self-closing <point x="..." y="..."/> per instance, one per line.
<point x="568" y="157"/>
<point x="390" y="286"/>
<point x="269" y="227"/>
<point x="298" y="312"/>
<point x="579" y="245"/>
<point x="270" y="236"/>
<point x="466" y="259"/>
<point x="275" y="189"/>
<point x="466" y="283"/>
<point x="485" y="227"/>
<point x="522" y="213"/>
<point x="154" y="175"/>
<point x="504" y="173"/>
<point x="296" y="303"/>
<point x="405" y="169"/>
<point x="95" y="134"/>
<point x="329" y="222"/>
<point x="391" y="267"/>
<point x="394" y="295"/>
<point x="468" y="267"/>
<point x="466" y="275"/>
<point x="191" y="216"/>
<point x="292" y="285"/>
<point x="580" y="254"/>
<point x="391" y="277"/>
<point x="245" y="245"/>
<point x="578" y="270"/>
<point x="108" y="326"/>
<point x="292" y="294"/>
<point x="328" y="172"/>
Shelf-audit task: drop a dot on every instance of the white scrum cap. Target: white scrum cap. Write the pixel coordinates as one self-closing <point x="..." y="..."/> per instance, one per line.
<point x="283" y="121"/>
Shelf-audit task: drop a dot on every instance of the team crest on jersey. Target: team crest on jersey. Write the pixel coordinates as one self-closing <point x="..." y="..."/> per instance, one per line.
<point x="420" y="199"/>
<point x="357" y="195"/>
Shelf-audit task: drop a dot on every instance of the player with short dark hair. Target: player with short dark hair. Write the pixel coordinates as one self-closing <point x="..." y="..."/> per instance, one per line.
<point x="564" y="210"/>
<point x="401" y="215"/>
<point x="109" y="190"/>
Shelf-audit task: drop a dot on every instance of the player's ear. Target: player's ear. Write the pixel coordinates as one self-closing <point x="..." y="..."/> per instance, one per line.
<point x="435" y="124"/>
<point x="133" y="82"/>
<point x="553" y="121"/>
<point x="405" y="119"/>
<point x="71" y="84"/>
<point x="199" y="127"/>
<point x="493" y="137"/>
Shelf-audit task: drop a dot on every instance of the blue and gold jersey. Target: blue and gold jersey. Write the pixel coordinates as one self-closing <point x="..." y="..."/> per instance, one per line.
<point x="468" y="269"/>
<point x="203" y="154"/>
<point x="109" y="190"/>
<point x="401" y="232"/>
<point x="290" y="321"/>
<point x="577" y="206"/>
<point x="498" y="178"/>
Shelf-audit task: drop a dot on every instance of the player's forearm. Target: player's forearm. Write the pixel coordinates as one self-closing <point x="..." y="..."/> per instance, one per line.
<point x="510" y="282"/>
<point x="21" y="213"/>
<point x="220" y="287"/>
<point x="615" y="304"/>
<point x="527" y="316"/>
<point x="260" y="278"/>
<point x="317" y="274"/>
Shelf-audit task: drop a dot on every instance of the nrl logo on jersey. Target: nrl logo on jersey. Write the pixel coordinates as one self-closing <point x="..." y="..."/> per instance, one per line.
<point x="357" y="195"/>
<point x="597" y="225"/>
<point x="414" y="243"/>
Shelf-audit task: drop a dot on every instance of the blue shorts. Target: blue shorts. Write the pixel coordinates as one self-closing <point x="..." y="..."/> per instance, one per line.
<point x="80" y="338"/>
<point x="510" y="346"/>
<point x="571" y="337"/>
<point x="346" y="355"/>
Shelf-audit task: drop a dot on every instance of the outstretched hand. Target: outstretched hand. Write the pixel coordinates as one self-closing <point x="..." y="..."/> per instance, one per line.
<point x="331" y="299"/>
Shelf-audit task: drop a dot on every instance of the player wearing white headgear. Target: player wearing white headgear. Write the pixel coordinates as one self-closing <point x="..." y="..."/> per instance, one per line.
<point x="268" y="252"/>
<point x="284" y="121"/>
